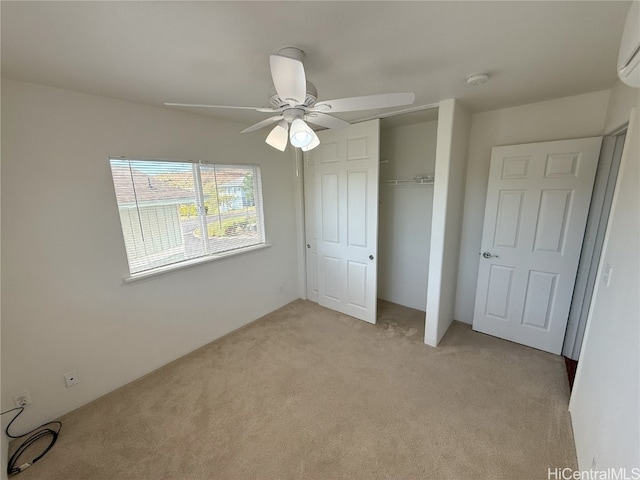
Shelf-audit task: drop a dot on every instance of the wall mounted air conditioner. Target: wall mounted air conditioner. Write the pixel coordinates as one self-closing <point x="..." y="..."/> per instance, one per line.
<point x="629" y="56"/>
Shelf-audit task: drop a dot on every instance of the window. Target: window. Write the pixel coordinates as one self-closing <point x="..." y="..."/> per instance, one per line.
<point x="174" y="212"/>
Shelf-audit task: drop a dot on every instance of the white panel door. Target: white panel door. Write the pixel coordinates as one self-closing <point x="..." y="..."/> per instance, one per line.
<point x="537" y="204"/>
<point x="345" y="172"/>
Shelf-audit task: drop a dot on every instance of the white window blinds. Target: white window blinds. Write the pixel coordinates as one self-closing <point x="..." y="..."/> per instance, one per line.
<point x="172" y="212"/>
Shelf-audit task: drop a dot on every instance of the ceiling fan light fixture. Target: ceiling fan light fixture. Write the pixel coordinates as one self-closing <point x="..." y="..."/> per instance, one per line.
<point x="314" y="143"/>
<point x="300" y="134"/>
<point x="278" y="137"/>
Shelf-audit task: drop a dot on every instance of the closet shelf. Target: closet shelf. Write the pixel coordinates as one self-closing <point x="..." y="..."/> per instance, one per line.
<point x="410" y="181"/>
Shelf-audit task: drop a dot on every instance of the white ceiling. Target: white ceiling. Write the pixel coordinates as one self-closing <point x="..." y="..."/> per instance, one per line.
<point x="217" y="52"/>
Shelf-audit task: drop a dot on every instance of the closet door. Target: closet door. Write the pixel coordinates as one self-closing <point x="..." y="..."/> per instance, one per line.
<point x="346" y="167"/>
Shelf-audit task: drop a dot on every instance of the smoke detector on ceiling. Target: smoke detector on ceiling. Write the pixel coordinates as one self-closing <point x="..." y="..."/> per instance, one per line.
<point x="477" y="78"/>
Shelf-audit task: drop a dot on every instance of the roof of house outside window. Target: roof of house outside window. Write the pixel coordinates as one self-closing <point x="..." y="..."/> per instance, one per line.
<point x="148" y="188"/>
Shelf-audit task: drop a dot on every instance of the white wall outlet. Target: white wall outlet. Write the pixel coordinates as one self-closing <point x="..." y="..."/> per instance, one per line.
<point x="22" y="399"/>
<point x="71" y="379"/>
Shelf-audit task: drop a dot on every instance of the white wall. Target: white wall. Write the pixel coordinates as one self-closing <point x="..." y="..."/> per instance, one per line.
<point x="405" y="214"/>
<point x="65" y="306"/>
<point x="4" y="440"/>
<point x="570" y="117"/>
<point x="605" y="403"/>
<point x="448" y="199"/>
<point x="622" y="99"/>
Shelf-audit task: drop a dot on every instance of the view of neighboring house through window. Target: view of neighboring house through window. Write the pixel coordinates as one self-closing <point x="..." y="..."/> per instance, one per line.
<point x="172" y="212"/>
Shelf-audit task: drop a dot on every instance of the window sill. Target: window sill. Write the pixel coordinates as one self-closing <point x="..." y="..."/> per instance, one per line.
<point x="156" y="272"/>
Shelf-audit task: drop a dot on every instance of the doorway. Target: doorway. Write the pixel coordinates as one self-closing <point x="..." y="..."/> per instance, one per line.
<point x="603" y="189"/>
<point x="407" y="167"/>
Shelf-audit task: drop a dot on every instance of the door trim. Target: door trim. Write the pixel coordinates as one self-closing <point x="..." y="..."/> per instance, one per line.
<point x="601" y="200"/>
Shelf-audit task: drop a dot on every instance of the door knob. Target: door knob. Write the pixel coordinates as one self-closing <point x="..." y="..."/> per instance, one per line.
<point x="308" y="246"/>
<point x="489" y="255"/>
<point x="370" y="257"/>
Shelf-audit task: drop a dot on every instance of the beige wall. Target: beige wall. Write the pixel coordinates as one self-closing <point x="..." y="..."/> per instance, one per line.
<point x="605" y="403"/>
<point x="64" y="304"/>
<point x="570" y="117"/>
<point x="621" y="100"/>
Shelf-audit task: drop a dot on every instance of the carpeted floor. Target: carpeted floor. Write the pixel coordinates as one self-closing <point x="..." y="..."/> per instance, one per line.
<point x="308" y="393"/>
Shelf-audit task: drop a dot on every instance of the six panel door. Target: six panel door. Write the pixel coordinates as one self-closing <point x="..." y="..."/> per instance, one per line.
<point x="537" y="204"/>
<point x="345" y="168"/>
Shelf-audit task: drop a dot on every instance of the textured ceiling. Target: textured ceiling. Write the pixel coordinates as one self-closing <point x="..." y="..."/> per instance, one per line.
<point x="217" y="52"/>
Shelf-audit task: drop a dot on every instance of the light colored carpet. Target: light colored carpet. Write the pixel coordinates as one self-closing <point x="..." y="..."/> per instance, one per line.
<point x="309" y="393"/>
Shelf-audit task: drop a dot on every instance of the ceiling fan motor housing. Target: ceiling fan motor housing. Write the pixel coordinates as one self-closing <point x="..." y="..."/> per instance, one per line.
<point x="311" y="97"/>
<point x="290" y="114"/>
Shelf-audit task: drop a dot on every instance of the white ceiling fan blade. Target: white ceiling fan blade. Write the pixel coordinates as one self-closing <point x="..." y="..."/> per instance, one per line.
<point x="262" y="124"/>
<point x="279" y="136"/>
<point x="327" y="121"/>
<point x="289" y="79"/>
<point x="367" y="102"/>
<point x="314" y="143"/>
<point x="257" y="109"/>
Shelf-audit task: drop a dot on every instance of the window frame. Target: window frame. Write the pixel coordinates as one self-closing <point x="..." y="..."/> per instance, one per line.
<point x="199" y="200"/>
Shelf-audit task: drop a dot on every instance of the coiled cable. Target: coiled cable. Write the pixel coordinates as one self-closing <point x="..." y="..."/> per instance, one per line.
<point x="34" y="435"/>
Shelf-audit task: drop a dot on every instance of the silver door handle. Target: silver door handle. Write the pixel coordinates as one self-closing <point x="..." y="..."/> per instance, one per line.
<point x="489" y="255"/>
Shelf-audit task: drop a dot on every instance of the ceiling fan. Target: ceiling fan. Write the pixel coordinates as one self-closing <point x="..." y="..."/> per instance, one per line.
<point x="294" y="100"/>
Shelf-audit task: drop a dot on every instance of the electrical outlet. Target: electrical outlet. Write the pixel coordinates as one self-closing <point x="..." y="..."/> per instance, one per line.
<point x="71" y="379"/>
<point x="22" y="399"/>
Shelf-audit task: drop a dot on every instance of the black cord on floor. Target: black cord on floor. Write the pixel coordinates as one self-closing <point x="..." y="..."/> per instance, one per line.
<point x="38" y="433"/>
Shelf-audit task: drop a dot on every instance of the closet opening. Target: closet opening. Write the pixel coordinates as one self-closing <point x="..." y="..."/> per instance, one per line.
<point x="368" y="201"/>
<point x="407" y="166"/>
